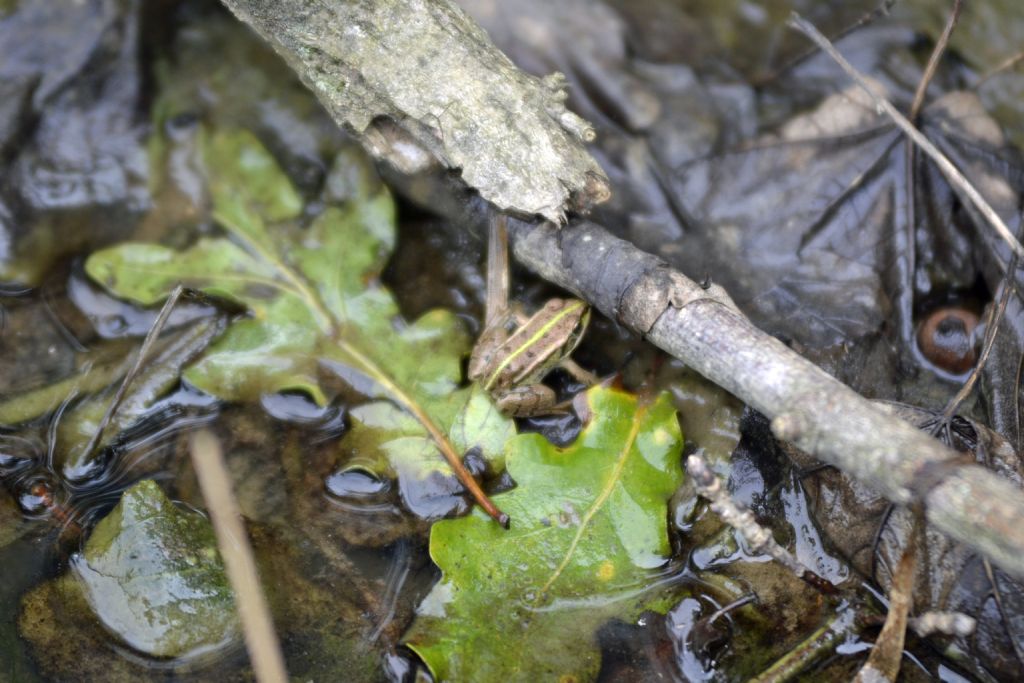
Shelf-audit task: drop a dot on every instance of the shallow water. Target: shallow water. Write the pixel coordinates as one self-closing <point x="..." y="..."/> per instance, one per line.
<point x="342" y="553"/>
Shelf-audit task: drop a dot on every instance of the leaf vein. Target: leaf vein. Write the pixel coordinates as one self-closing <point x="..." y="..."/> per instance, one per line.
<point x="599" y="502"/>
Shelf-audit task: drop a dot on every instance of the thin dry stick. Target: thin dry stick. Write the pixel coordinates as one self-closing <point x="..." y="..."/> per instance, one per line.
<point x="742" y="520"/>
<point x="884" y="661"/>
<point x="881" y="11"/>
<point x="819" y="645"/>
<point x="1005" y="65"/>
<point x="1018" y="441"/>
<point x="1004" y="614"/>
<point x="910" y="170"/>
<point x="933" y="61"/>
<point x="147" y="346"/>
<point x="257" y="625"/>
<point x="991" y="329"/>
<point x="953" y="175"/>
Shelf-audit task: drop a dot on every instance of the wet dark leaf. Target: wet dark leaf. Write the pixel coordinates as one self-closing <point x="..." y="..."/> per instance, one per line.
<point x="70" y="135"/>
<point x="872" y="534"/>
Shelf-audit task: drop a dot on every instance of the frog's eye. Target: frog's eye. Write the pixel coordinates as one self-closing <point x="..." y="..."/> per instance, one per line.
<point x="946" y="338"/>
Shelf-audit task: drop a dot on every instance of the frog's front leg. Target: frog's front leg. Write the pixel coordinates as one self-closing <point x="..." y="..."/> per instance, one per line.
<point x="527" y="401"/>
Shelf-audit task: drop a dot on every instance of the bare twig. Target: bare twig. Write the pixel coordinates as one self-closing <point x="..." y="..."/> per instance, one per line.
<point x="884" y="661"/>
<point x="995" y="318"/>
<point x="1004" y="613"/>
<point x="147" y="346"/>
<point x="933" y="61"/>
<point x="1005" y="65"/>
<point x="1018" y="378"/>
<point x="731" y="607"/>
<point x="215" y="484"/>
<point x="867" y="18"/>
<point x="952" y="173"/>
<point x="819" y="645"/>
<point x="742" y="520"/>
<point x="904" y="310"/>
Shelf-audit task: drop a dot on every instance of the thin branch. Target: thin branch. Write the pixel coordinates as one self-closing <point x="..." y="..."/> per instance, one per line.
<point x="867" y="18"/>
<point x="233" y="543"/>
<point x="884" y="661"/>
<point x="933" y="60"/>
<point x="1018" y="437"/>
<point x="817" y="646"/>
<point x="741" y="519"/>
<point x="995" y="318"/>
<point x="1004" y="613"/>
<point x="147" y="346"/>
<point x="1005" y="65"/>
<point x="952" y="173"/>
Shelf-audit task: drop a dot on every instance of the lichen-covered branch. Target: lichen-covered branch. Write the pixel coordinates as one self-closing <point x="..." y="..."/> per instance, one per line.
<point x="740" y="518"/>
<point x="421" y="74"/>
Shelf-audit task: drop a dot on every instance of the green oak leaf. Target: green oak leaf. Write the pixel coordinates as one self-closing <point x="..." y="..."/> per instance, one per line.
<point x="590" y="529"/>
<point x="152" y="575"/>
<point x="388" y="442"/>
<point x="316" y="304"/>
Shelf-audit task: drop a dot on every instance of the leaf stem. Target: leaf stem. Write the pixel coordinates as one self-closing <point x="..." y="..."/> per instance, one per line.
<point x="933" y="60"/>
<point x="443" y="444"/>
<point x="326" y="322"/>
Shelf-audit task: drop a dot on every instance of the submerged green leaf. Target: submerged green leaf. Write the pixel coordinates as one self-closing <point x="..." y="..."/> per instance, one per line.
<point x="589" y="532"/>
<point x="97" y="381"/>
<point x="153" y="577"/>
<point x="249" y="186"/>
<point x="275" y="350"/>
<point x="317" y="307"/>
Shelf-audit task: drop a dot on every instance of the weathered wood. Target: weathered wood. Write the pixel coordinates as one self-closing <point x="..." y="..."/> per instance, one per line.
<point x="421" y="73"/>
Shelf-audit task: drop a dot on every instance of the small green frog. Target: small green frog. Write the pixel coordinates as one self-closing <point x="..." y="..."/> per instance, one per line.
<point x="511" y="361"/>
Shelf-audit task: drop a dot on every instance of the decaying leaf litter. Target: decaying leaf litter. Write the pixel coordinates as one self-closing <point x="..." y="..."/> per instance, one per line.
<point x="643" y="227"/>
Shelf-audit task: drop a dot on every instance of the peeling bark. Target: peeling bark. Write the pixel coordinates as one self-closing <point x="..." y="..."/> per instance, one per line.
<point x="424" y="68"/>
